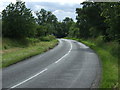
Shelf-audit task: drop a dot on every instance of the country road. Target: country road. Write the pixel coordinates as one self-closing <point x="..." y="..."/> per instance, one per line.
<point x="69" y="65"/>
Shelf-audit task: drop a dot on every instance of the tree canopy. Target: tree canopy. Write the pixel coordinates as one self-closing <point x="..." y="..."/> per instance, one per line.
<point x="18" y="21"/>
<point x="93" y="19"/>
<point x="99" y="19"/>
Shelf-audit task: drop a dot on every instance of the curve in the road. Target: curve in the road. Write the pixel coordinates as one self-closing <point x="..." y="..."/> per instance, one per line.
<point x="42" y="70"/>
<point x="71" y="64"/>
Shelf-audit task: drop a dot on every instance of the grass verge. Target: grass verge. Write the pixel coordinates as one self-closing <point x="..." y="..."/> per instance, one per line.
<point x="108" y="53"/>
<point x="15" y="54"/>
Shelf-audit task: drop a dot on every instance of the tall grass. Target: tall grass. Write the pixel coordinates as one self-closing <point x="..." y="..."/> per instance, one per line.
<point x="13" y="51"/>
<point x="8" y="43"/>
<point x="47" y="38"/>
<point x="109" y="54"/>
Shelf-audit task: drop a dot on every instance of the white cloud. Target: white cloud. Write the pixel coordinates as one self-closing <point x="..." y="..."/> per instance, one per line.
<point x="34" y="14"/>
<point x="60" y="8"/>
<point x="62" y="14"/>
<point x="3" y="5"/>
<point x="38" y="7"/>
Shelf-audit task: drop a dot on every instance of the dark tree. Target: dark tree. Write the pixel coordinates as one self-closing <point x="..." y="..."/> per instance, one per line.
<point x="18" y="21"/>
<point x="111" y="12"/>
<point x="99" y="19"/>
<point x="47" y="20"/>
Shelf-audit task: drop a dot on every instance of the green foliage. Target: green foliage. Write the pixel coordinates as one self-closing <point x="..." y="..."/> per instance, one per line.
<point x="47" y="38"/>
<point x="82" y="24"/>
<point x="114" y="48"/>
<point x="47" y="23"/>
<point x="67" y="22"/>
<point x="0" y="28"/>
<point x="74" y="31"/>
<point x="32" y="40"/>
<point x="10" y="43"/>
<point x="41" y="31"/>
<point x="45" y="17"/>
<point x="112" y="19"/>
<point x="108" y="53"/>
<point x="18" y="21"/>
<point x="63" y="28"/>
<point x="14" y="55"/>
<point x="89" y="20"/>
<point x="95" y="19"/>
<point x="60" y="30"/>
<point x="99" y="41"/>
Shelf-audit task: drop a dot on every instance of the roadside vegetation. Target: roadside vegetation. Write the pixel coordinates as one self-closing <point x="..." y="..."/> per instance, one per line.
<point x="97" y="26"/>
<point x="14" y="52"/>
<point x="23" y="35"/>
<point x="108" y="54"/>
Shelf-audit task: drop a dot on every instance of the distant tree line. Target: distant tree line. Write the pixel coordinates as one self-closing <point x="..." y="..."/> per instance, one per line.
<point x="93" y="20"/>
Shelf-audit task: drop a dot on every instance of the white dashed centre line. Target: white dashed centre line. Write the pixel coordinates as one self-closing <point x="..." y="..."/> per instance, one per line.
<point x="29" y="78"/>
<point x="42" y="70"/>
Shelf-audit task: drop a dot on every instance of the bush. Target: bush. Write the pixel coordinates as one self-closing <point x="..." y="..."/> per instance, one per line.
<point x="99" y="41"/>
<point x="114" y="48"/>
<point x="47" y="38"/>
<point x="32" y="40"/>
<point x="10" y="42"/>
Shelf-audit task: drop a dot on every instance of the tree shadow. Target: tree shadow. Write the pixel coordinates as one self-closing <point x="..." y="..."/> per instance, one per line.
<point x="84" y="50"/>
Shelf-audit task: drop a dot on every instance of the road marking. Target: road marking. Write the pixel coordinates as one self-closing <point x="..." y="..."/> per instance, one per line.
<point x="66" y="53"/>
<point x="42" y="70"/>
<point x="29" y="78"/>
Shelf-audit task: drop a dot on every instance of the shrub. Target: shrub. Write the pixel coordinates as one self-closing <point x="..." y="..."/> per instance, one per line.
<point x="99" y="41"/>
<point x="114" y="48"/>
<point x="32" y="40"/>
<point x="47" y="38"/>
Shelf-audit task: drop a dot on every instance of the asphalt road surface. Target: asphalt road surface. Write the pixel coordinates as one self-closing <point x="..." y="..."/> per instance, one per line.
<point x="69" y="65"/>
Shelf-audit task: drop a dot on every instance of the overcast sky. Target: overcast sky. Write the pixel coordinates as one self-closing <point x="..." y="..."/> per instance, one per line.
<point x="60" y="8"/>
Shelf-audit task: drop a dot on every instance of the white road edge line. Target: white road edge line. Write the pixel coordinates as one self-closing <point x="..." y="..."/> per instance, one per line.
<point x="29" y="78"/>
<point x="42" y="70"/>
<point x="66" y="53"/>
